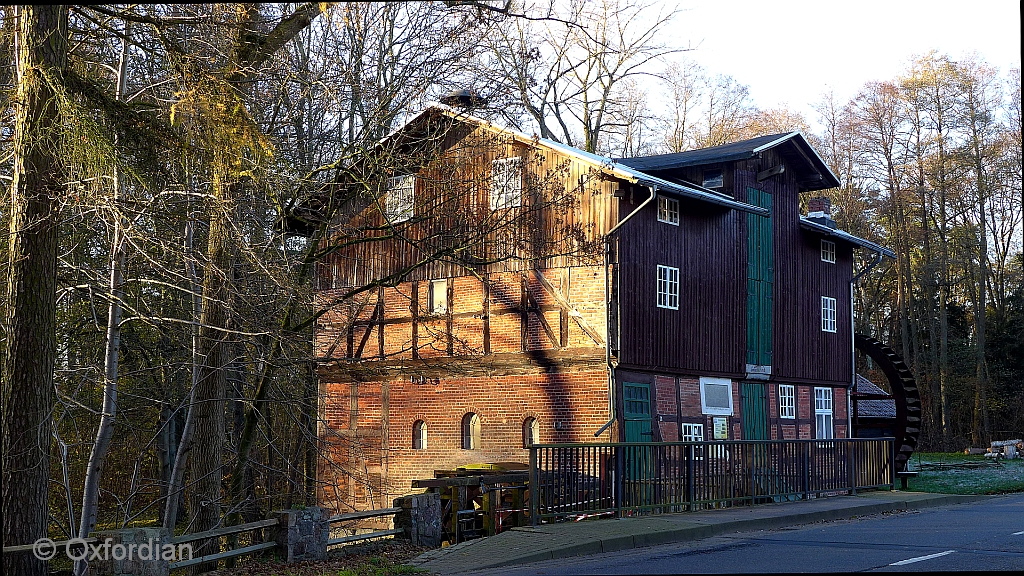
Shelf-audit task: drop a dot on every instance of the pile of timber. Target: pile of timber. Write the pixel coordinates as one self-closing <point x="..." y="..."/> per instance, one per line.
<point x="1009" y="449"/>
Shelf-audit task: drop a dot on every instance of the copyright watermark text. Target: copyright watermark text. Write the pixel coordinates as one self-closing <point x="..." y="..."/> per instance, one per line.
<point x="78" y="549"/>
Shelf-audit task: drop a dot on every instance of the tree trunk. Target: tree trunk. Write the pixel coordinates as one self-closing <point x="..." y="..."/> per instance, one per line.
<point x="184" y="445"/>
<point x="27" y="389"/>
<point x="100" y="448"/>
<point x="206" y="459"/>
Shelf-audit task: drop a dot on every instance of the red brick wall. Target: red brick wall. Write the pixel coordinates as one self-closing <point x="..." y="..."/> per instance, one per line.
<point x="364" y="474"/>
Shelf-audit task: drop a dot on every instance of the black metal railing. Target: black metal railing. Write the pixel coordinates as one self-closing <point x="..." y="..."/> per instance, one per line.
<point x="630" y="478"/>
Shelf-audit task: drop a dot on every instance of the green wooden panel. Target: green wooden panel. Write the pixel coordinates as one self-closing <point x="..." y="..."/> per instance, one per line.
<point x="760" y="278"/>
<point x="637" y="412"/>
<point x="753" y="321"/>
<point x="754" y="411"/>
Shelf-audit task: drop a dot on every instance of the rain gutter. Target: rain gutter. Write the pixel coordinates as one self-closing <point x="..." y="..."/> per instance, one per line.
<point x="608" y="309"/>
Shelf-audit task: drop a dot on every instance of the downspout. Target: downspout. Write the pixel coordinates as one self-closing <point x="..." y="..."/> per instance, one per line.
<point x="608" y="308"/>
<point x="853" y="347"/>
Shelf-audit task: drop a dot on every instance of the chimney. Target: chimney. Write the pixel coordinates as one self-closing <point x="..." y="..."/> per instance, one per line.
<point x="465" y="99"/>
<point x="819" y="210"/>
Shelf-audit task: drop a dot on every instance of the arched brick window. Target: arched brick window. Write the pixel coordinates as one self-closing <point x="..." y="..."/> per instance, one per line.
<point x="470" y="431"/>
<point x="419" y="435"/>
<point x="531" y="432"/>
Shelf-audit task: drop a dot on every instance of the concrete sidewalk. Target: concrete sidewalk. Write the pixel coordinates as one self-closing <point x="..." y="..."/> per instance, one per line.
<point x="552" y="541"/>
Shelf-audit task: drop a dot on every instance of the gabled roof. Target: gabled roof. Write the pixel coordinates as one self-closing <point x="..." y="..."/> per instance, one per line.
<point x="873" y="408"/>
<point x="813" y="173"/>
<point x="810" y="224"/>
<point x="608" y="165"/>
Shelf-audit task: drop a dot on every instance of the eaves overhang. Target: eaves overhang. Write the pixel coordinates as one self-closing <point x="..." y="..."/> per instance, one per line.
<point x="846" y="236"/>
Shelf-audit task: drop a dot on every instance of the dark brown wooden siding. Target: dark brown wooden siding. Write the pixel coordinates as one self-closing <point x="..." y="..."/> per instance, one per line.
<point x="706" y="334"/>
<point x="801" y="351"/>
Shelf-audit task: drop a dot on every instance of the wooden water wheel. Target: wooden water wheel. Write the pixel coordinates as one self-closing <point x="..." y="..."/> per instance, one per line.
<point x="904" y="392"/>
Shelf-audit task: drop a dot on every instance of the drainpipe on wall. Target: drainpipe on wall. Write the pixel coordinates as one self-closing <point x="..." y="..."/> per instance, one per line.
<point x="853" y="346"/>
<point x="608" y="308"/>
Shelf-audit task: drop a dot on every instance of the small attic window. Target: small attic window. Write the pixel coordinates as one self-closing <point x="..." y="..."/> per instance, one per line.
<point x="713" y="179"/>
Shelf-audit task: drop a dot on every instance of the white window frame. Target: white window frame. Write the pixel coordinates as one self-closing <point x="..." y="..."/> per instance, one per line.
<point x="787" y="401"/>
<point x="823" y="416"/>
<point x="668" y="287"/>
<point x="705" y="381"/>
<point x="689" y="432"/>
<point x="470" y="431"/>
<point x="437" y="296"/>
<point x="828" y="314"/>
<point x="419" y="435"/>
<point x="398" y="205"/>
<point x="506" y="183"/>
<point x="531" y="432"/>
<point x="668" y="210"/>
<point x="828" y="251"/>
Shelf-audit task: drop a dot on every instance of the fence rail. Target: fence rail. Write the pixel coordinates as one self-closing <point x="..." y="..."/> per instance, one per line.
<point x="578" y="480"/>
<point x="368" y="535"/>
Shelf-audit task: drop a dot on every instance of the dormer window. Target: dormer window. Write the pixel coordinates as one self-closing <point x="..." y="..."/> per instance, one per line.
<point x="713" y="179"/>
<point x="668" y="210"/>
<point x="828" y="251"/>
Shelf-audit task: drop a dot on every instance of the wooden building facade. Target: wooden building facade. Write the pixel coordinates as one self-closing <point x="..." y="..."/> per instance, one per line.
<point x="505" y="289"/>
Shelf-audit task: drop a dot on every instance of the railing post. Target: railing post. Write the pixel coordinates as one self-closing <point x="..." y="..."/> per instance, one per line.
<point x="689" y="477"/>
<point x="620" y="469"/>
<point x="853" y="465"/>
<point x="534" y="487"/>
<point x="807" y="469"/>
<point x="892" y="464"/>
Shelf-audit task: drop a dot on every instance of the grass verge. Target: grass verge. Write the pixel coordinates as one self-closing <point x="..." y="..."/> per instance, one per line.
<point x="957" y="473"/>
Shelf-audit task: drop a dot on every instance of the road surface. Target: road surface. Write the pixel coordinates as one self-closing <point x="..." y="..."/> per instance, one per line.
<point x="986" y="535"/>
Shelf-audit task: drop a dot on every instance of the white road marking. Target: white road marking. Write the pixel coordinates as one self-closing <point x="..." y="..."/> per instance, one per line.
<point x="920" y="558"/>
<point x="1019" y="533"/>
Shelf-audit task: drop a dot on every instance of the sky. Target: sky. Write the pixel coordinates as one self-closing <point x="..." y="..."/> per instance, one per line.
<point x="792" y="51"/>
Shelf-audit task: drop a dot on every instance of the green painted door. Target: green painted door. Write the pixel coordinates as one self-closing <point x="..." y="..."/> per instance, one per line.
<point x="760" y="280"/>
<point x="754" y="411"/>
<point x="637" y="412"/>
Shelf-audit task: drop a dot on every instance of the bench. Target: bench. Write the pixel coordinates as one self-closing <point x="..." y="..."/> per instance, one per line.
<point x="904" y="476"/>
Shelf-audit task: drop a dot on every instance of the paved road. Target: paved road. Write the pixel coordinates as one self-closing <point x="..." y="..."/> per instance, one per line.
<point x="986" y="535"/>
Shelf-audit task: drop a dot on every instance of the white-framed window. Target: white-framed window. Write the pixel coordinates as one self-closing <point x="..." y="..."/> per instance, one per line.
<point x="828" y="251"/>
<point x="419" y="435"/>
<point x="823" y="413"/>
<point x="713" y="179"/>
<point x="787" y="401"/>
<point x="506" y="183"/>
<point x="668" y="210"/>
<point x="470" y="432"/>
<point x="398" y="204"/>
<point x="531" y="432"/>
<point x="828" y="314"/>
<point x="693" y="433"/>
<point x="437" y="299"/>
<point x="716" y="396"/>
<point x="668" y="287"/>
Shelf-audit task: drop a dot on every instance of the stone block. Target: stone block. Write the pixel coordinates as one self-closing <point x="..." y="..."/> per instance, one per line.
<point x="420" y="518"/>
<point x="302" y="534"/>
